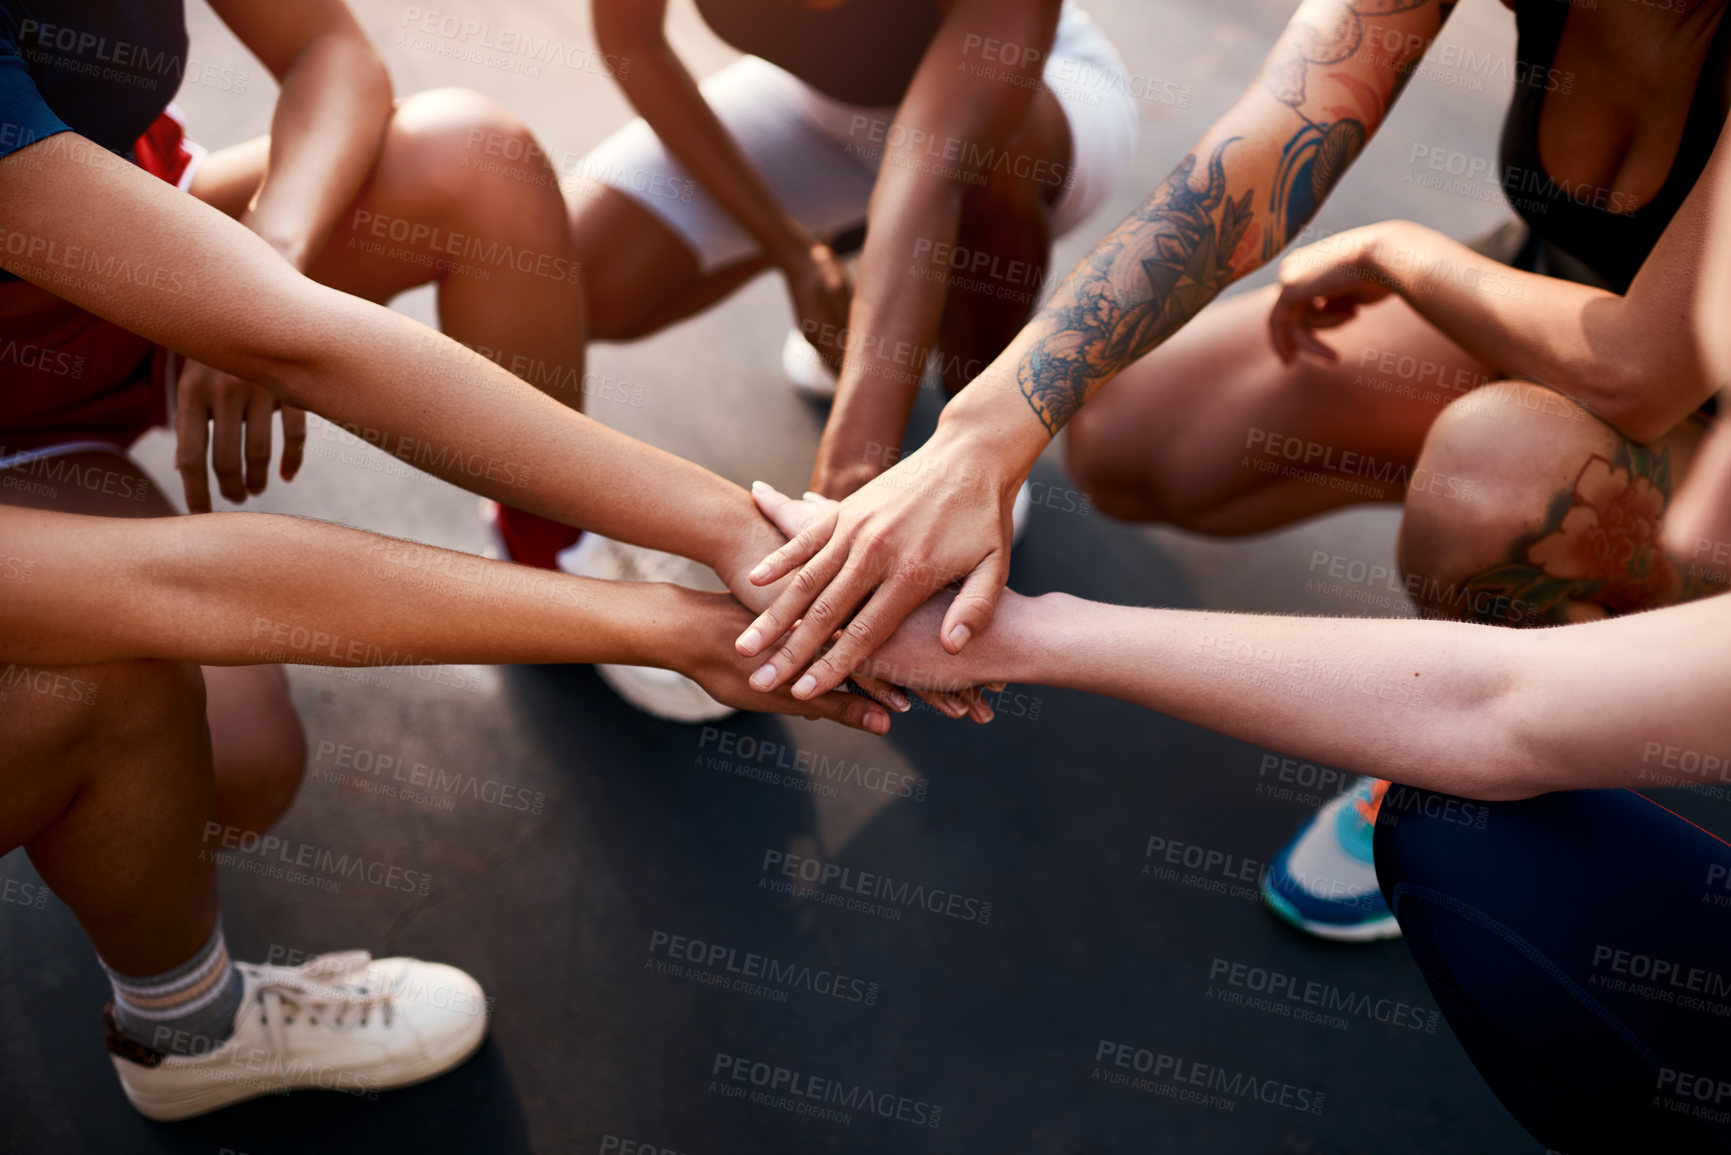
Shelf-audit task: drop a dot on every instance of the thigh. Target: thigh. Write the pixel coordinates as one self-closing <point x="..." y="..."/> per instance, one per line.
<point x="1210" y="431"/>
<point x="1573" y="942"/>
<point x="248" y="707"/>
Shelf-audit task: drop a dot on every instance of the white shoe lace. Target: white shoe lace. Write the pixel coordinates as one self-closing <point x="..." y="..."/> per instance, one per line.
<point x="337" y="991"/>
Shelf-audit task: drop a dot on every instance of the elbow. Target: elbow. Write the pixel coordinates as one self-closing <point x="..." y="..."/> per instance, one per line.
<point x="288" y="348"/>
<point x="1644" y="398"/>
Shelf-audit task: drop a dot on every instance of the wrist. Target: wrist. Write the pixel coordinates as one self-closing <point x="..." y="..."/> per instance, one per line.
<point x="791" y="247"/>
<point x="1389" y="255"/>
<point x="991" y="420"/>
<point x="296" y="250"/>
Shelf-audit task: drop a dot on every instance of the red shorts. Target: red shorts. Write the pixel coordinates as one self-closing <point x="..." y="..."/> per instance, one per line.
<point x="67" y="375"/>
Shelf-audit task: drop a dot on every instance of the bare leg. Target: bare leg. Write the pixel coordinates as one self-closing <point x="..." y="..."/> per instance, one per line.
<point x="444" y="206"/>
<point x="1211" y="433"/>
<point x="258" y="749"/>
<point x="1527" y="510"/>
<point x="107" y="781"/>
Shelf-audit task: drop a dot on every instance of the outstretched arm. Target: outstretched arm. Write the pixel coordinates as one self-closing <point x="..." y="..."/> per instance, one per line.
<point x="956" y="123"/>
<point x="1235" y="201"/>
<point x="240" y="589"/>
<point x="96" y="231"/>
<point x="1473" y="710"/>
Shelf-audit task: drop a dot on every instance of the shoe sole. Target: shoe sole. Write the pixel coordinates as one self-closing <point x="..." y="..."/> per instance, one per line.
<point x="216" y="1095"/>
<point x="1372" y="931"/>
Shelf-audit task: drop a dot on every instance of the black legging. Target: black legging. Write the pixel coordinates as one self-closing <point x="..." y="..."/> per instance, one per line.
<point x="1579" y="945"/>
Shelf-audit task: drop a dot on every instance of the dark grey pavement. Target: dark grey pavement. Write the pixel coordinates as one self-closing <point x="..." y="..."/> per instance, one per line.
<point x="566" y="840"/>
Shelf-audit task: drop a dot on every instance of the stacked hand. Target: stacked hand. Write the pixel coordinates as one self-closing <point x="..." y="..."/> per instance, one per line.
<point x="900" y="540"/>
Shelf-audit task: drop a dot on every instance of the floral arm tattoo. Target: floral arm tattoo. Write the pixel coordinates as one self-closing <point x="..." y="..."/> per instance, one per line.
<point x="1199" y="232"/>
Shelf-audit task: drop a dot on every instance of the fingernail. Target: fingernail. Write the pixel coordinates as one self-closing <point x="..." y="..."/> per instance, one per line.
<point x="878" y="722"/>
<point x="813" y="495"/>
<point x="805" y="687"/>
<point x="760" y="571"/>
<point x="760" y="487"/>
<point x="900" y="701"/>
<point x="764" y="678"/>
<point x="750" y="641"/>
<point x="959" y="636"/>
<point x="956" y="705"/>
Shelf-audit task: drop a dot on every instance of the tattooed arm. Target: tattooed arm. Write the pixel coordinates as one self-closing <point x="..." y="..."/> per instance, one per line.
<point x="1629" y="358"/>
<point x="1236" y="200"/>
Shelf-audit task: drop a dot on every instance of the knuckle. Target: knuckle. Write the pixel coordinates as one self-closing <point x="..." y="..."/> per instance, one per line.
<point x="862" y="630"/>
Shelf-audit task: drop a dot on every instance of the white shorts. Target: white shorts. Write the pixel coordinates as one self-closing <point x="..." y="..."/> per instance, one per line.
<point x="820" y="156"/>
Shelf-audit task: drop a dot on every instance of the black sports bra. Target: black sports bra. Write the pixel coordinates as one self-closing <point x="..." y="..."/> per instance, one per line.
<point x="861" y="52"/>
<point x="1603" y="229"/>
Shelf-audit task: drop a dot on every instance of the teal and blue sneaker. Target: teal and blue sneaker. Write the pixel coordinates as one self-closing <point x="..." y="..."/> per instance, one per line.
<point x="1324" y="882"/>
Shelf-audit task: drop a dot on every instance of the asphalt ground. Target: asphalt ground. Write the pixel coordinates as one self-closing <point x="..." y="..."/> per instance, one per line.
<point x="578" y="851"/>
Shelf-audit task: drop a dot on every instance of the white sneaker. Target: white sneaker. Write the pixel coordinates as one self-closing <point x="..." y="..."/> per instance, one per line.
<point x="340" y="1022"/>
<point x="661" y="693"/>
<point x="805" y="369"/>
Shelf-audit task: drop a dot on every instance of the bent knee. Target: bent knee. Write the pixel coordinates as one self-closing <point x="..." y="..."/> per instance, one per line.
<point x="115" y="705"/>
<point x="444" y="144"/>
<point x="1493" y="467"/>
<point x="1129" y="475"/>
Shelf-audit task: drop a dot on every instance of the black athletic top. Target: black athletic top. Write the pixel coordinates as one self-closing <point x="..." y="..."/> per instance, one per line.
<point x="860" y="52"/>
<point x="104" y="69"/>
<point x="1603" y="229"/>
